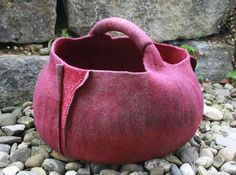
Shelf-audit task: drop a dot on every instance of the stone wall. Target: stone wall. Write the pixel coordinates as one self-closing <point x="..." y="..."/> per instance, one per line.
<point x="163" y="20"/>
<point x="33" y="21"/>
<point x="27" y="21"/>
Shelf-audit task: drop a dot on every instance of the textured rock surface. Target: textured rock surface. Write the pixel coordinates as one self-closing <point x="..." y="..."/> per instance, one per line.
<point x="215" y="59"/>
<point x="163" y="20"/>
<point x="35" y="23"/>
<point x="17" y="77"/>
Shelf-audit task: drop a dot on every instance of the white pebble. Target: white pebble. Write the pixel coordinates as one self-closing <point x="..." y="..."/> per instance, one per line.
<point x="71" y="172"/>
<point x="11" y="170"/>
<point x="206" y="162"/>
<point x="229" y="167"/>
<point x="186" y="169"/>
<point x="202" y="170"/>
<point x="212" y="113"/>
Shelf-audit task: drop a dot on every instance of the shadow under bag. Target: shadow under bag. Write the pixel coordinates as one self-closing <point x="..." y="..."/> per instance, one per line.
<point x="116" y="99"/>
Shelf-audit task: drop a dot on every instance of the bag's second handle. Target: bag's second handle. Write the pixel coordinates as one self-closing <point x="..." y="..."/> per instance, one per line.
<point x="137" y="35"/>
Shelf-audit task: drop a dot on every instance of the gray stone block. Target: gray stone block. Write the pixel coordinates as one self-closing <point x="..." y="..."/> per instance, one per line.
<point x="162" y="20"/>
<point x="27" y="21"/>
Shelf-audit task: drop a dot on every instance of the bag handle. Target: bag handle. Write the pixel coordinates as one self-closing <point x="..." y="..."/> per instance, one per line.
<point x="138" y="36"/>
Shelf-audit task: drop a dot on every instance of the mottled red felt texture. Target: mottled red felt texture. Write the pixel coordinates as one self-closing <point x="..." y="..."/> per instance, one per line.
<point x="116" y="100"/>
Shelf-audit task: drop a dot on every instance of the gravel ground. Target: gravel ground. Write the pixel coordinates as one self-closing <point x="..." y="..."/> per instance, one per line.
<point x="212" y="150"/>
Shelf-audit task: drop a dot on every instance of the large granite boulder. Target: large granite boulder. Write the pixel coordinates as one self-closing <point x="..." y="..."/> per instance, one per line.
<point x="17" y="77"/>
<point x="28" y="21"/>
<point x="215" y="59"/>
<point x="163" y="20"/>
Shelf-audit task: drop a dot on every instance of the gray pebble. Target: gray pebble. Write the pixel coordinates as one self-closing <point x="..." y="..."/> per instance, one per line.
<point x="5" y="148"/>
<point x="206" y="152"/>
<point x="96" y="168"/>
<point x="4" y="159"/>
<point x="83" y="171"/>
<point x="228" y="153"/>
<point x="54" y="173"/>
<point x="229" y="167"/>
<point x="227" y="115"/>
<point x="53" y="165"/>
<point x="131" y="167"/>
<point x="44" y="51"/>
<point x="30" y="136"/>
<point x="157" y="171"/>
<point x="225" y="141"/>
<point x="17" y="113"/>
<point x="8" y="109"/>
<point x="109" y="172"/>
<point x="27" y="121"/>
<point x="11" y="130"/>
<point x="14" y="147"/>
<point x="173" y="159"/>
<point x="21" y="154"/>
<point x="10" y="139"/>
<point x="2" y="133"/>
<point x="20" y="165"/>
<point x="24" y="145"/>
<point x="46" y="148"/>
<point x="26" y="173"/>
<point x="174" y="170"/>
<point x="28" y="111"/>
<point x="7" y="119"/>
<point x="34" y="161"/>
<point x="26" y="104"/>
<point x="153" y="163"/>
<point x="222" y="173"/>
<point x="202" y="171"/>
<point x="218" y="86"/>
<point x="212" y="170"/>
<point x="38" y="171"/>
<point x="209" y="97"/>
<point x="38" y="150"/>
<point x="228" y="86"/>
<point x="218" y="161"/>
<point x="73" y="166"/>
<point x="36" y="142"/>
<point x="206" y="162"/>
<point x="125" y="173"/>
<point x="139" y="173"/>
<point x="35" y="47"/>
<point x="214" y="151"/>
<point x="189" y="155"/>
<point x="179" y="150"/>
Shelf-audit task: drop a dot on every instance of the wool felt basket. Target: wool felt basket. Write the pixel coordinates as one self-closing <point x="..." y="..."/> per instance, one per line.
<point x="116" y="99"/>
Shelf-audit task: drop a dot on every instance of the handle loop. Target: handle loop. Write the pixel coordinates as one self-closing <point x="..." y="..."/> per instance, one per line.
<point x="137" y="35"/>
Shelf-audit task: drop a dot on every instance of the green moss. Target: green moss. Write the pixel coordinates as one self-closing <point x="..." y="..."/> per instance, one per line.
<point x="65" y="33"/>
<point x="191" y="50"/>
<point x="232" y="74"/>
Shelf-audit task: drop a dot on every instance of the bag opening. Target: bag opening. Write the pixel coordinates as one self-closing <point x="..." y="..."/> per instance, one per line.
<point x="105" y="53"/>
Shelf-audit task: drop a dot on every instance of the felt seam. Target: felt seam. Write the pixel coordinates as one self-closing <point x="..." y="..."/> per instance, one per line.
<point x="59" y="73"/>
<point x="71" y="104"/>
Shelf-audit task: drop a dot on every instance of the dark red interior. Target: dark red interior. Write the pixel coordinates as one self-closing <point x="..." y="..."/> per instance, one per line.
<point x="104" y="53"/>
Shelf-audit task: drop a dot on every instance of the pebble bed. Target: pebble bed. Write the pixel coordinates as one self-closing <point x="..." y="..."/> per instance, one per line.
<point x="211" y="151"/>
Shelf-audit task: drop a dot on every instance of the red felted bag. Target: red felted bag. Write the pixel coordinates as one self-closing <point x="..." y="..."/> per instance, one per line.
<point x="116" y="99"/>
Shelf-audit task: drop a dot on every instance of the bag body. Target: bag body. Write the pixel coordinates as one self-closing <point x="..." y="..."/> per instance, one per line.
<point x="116" y="99"/>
